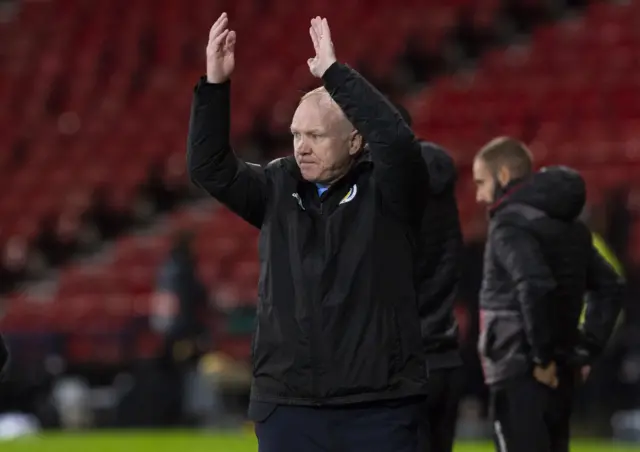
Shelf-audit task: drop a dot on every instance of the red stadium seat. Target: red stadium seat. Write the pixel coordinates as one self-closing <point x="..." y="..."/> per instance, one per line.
<point x="572" y="95"/>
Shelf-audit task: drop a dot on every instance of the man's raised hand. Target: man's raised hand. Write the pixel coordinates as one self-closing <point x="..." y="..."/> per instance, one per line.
<point x="321" y="38"/>
<point x="220" y="51"/>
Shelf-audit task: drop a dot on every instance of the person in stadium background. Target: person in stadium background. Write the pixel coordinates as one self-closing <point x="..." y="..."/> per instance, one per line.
<point x="438" y="275"/>
<point x="337" y="357"/>
<point x="539" y="263"/>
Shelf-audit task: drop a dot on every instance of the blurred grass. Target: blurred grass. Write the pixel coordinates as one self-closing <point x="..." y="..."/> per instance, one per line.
<point x="204" y="442"/>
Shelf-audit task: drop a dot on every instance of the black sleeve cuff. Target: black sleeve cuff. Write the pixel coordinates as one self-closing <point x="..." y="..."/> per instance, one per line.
<point x="203" y="86"/>
<point x="336" y="75"/>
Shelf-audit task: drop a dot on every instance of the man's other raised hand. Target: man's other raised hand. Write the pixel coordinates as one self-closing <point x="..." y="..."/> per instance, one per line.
<point x="220" y="51"/>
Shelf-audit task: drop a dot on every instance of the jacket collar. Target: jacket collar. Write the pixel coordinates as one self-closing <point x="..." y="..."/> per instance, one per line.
<point x="503" y="194"/>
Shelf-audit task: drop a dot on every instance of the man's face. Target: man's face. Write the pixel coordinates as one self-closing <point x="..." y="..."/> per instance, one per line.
<point x="323" y="139"/>
<point x="485" y="182"/>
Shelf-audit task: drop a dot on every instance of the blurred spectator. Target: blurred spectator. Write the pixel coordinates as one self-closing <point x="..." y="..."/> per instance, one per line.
<point x="62" y="237"/>
<point x="472" y="38"/>
<point x="67" y="231"/>
<point x="165" y="185"/>
<point x="92" y="219"/>
<point x="418" y="63"/>
<point x="155" y="189"/>
<point x="71" y="396"/>
<point x="180" y="302"/>
<point x="525" y="15"/>
<point x="175" y="175"/>
<point x="15" y="264"/>
<point x="107" y="220"/>
<point x="263" y="137"/>
<point x="46" y="242"/>
<point x="179" y="314"/>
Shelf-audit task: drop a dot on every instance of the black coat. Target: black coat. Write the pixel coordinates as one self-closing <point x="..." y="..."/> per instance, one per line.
<point x="337" y="319"/>
<point x="4" y="357"/>
<point x="539" y="264"/>
<point x="438" y="266"/>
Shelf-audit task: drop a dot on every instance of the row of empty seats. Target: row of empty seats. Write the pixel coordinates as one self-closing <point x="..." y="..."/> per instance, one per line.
<point x="571" y="112"/>
<point x="574" y="92"/>
<point x="106" y="84"/>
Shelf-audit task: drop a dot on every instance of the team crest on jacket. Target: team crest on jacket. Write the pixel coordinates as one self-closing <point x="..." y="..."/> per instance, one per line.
<point x="353" y="191"/>
<point x="299" y="199"/>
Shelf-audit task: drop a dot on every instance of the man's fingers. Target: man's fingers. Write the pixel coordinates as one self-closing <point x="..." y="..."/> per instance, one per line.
<point x="317" y="27"/>
<point x="218" y="27"/>
<point x="223" y="17"/>
<point x="230" y="42"/>
<point x="219" y="41"/>
<point x="326" y="32"/>
<point x="315" y="39"/>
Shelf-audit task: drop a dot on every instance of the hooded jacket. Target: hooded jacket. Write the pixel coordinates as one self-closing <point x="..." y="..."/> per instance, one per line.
<point x="440" y="245"/>
<point x="539" y="263"/>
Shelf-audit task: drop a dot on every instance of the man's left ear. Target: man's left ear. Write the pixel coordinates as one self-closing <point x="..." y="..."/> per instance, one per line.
<point x="355" y="143"/>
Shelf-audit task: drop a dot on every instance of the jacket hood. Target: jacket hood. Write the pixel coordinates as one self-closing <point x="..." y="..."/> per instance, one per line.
<point x="441" y="167"/>
<point x="558" y="191"/>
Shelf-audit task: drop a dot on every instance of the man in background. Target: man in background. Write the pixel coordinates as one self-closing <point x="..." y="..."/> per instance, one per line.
<point x="180" y="301"/>
<point x="438" y="275"/>
<point x="180" y="315"/>
<point x="539" y="263"/>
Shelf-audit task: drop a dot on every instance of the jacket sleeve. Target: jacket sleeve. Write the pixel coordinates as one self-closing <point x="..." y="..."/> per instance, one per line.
<point x="519" y="254"/>
<point x="441" y="239"/>
<point x="604" y="302"/>
<point x="442" y="242"/>
<point x="399" y="170"/>
<point x="211" y="163"/>
<point x="441" y="230"/>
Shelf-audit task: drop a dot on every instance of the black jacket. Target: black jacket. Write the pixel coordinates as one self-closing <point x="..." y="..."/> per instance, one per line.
<point x="4" y="357"/>
<point x="539" y="264"/>
<point x="337" y="319"/>
<point x="439" y="261"/>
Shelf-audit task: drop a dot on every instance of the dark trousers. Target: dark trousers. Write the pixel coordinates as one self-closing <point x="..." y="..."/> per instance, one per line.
<point x="439" y="412"/>
<point x="531" y="417"/>
<point x="382" y="428"/>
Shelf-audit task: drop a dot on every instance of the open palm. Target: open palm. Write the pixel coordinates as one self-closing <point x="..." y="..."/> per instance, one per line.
<point x="323" y="45"/>
<point x="220" y="51"/>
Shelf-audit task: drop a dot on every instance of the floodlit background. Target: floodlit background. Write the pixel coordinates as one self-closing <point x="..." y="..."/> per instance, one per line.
<point x="128" y="298"/>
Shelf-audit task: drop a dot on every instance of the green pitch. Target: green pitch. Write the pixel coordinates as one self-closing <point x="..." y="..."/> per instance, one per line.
<point x="202" y="442"/>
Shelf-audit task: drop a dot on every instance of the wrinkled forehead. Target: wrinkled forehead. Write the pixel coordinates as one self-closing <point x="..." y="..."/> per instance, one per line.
<point x="317" y="111"/>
